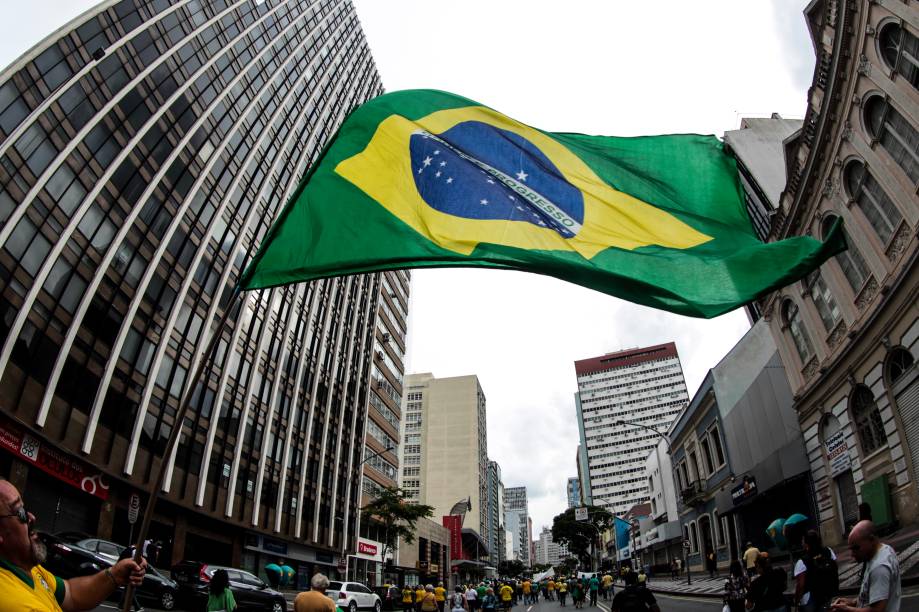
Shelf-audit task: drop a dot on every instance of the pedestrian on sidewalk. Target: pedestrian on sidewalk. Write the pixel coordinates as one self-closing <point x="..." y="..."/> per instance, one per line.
<point x="816" y="575"/>
<point x="735" y="587"/>
<point x="440" y="594"/>
<point x="880" y="588"/>
<point x="711" y="563"/>
<point x="419" y="596"/>
<point x="315" y="600"/>
<point x="220" y="597"/>
<point x="429" y="599"/>
<point x="750" y="555"/>
<point x="458" y="601"/>
<point x="674" y="569"/>
<point x="767" y="590"/>
<point x="634" y="597"/>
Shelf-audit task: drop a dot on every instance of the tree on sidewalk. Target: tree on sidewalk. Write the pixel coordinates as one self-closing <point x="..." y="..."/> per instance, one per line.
<point x="511" y="567"/>
<point x="397" y="515"/>
<point x="578" y="535"/>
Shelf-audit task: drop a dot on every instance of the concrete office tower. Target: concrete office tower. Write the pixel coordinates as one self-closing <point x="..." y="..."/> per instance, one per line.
<point x="444" y="447"/>
<point x="145" y="149"/>
<point x="549" y="551"/>
<point x="574" y="492"/>
<point x="517" y="522"/>
<point x="643" y="386"/>
<point x="495" y="505"/>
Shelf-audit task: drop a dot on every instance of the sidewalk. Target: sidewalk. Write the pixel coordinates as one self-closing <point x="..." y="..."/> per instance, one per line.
<point x="904" y="541"/>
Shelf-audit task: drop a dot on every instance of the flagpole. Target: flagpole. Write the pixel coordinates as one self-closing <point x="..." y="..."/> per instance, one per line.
<point x="153" y="493"/>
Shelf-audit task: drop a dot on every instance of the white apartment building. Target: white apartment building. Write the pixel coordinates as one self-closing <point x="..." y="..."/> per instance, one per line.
<point x="516" y="521"/>
<point x="443" y="456"/>
<point x="643" y="387"/>
<point x="548" y="550"/>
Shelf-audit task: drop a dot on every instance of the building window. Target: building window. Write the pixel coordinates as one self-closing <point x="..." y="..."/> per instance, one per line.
<point x="872" y="200"/>
<point x="716" y="444"/>
<point x="693" y="537"/>
<point x="898" y="137"/>
<point x="850" y="261"/>
<point x="900" y="51"/>
<point x="792" y="319"/>
<point x="719" y="529"/>
<point x="707" y="456"/>
<point x="867" y="419"/>
<point x="899" y="361"/>
<point x="823" y="299"/>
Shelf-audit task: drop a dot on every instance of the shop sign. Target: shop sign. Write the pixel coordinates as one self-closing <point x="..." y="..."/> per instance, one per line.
<point x="274" y="546"/>
<point x="745" y="490"/>
<point x="52" y="461"/>
<point x="434" y="568"/>
<point x="369" y="549"/>
<point x="837" y="453"/>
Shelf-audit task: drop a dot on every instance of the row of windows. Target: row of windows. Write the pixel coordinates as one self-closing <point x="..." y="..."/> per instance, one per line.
<point x="585" y="381"/>
<point x="642" y="391"/>
<point x="676" y="377"/>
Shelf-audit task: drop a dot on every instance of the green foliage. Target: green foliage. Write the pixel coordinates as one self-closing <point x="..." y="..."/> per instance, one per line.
<point x="540" y="567"/>
<point x="566" y="566"/>
<point x="397" y="515"/>
<point x="510" y="568"/>
<point x="577" y="535"/>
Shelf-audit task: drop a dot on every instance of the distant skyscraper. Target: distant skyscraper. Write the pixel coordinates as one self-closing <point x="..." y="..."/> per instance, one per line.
<point x="495" y="506"/>
<point x="644" y="386"/>
<point x="145" y="149"/>
<point x="444" y="447"/>
<point x="517" y="515"/>
<point x="574" y="492"/>
<point x="549" y="551"/>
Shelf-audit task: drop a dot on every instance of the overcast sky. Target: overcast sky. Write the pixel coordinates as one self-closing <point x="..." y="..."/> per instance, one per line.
<point x="598" y="67"/>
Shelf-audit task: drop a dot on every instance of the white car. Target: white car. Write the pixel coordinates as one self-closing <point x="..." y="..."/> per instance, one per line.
<point x="351" y="596"/>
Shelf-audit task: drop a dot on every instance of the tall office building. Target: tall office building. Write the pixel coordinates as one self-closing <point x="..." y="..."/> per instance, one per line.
<point x="643" y="387"/>
<point x="516" y="520"/>
<point x="444" y="452"/>
<point x="574" y="492"/>
<point x="548" y="550"/>
<point x="144" y="150"/>
<point x="495" y="505"/>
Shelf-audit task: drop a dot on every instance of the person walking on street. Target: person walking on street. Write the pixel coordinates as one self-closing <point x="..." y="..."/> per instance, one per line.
<point x="735" y="587"/>
<point x="674" y="569"/>
<point x="489" y="601"/>
<point x="767" y="590"/>
<point x="472" y="598"/>
<point x="607" y="586"/>
<point x="429" y="599"/>
<point x="506" y="596"/>
<point x="419" y="596"/>
<point x="407" y="599"/>
<point x="816" y="575"/>
<point x="550" y="588"/>
<point x="577" y="594"/>
<point x="220" y="597"/>
<point x="26" y="585"/>
<point x="594" y="585"/>
<point x="749" y="558"/>
<point x="315" y="600"/>
<point x="634" y="597"/>
<point x="440" y="595"/>
<point x="880" y="589"/>
<point x="458" y="601"/>
<point x="711" y="562"/>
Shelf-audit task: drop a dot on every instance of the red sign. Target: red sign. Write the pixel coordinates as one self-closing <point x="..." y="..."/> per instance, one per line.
<point x="455" y="524"/>
<point x="366" y="549"/>
<point x="52" y="461"/>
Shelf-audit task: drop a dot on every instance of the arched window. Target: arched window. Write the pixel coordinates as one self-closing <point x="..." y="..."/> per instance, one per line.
<point x="867" y="419"/>
<point x="900" y="50"/>
<point x="899" y="361"/>
<point x="823" y="299"/>
<point x="880" y="211"/>
<point x="898" y="137"/>
<point x="853" y="266"/>
<point x="792" y="319"/>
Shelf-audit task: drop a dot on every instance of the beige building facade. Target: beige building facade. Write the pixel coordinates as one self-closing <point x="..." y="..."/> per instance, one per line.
<point x="849" y="333"/>
<point x="444" y="450"/>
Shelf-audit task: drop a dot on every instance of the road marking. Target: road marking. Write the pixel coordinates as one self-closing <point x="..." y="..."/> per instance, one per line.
<point x="602" y="607"/>
<point x="530" y="608"/>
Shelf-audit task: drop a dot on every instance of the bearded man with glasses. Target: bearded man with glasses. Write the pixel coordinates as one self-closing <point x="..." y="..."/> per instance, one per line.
<point x="26" y="586"/>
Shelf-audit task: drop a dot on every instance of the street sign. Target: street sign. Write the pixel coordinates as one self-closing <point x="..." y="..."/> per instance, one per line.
<point x="686" y="544"/>
<point x="580" y="514"/>
<point x="133" y="508"/>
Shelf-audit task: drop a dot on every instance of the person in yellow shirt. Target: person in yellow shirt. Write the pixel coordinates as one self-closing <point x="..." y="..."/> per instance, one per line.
<point x="749" y="558"/>
<point x="550" y="588"/>
<point x="419" y="597"/>
<point x="507" y="595"/>
<point x="407" y="597"/>
<point x="526" y="591"/>
<point x="607" y="586"/>
<point x="562" y="591"/>
<point x="26" y="586"/>
<point x="440" y="594"/>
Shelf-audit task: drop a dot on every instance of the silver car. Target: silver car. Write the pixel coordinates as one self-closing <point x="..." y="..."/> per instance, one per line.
<point x="352" y="596"/>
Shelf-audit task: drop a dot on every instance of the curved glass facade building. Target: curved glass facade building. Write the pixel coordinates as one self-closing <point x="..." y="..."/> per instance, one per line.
<point x="144" y="151"/>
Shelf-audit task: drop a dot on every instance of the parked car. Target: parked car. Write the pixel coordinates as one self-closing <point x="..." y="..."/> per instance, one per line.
<point x="105" y="549"/>
<point x="69" y="560"/>
<point x="353" y="596"/>
<point x="249" y="591"/>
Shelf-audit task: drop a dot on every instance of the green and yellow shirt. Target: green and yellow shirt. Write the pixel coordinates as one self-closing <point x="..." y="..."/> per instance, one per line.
<point x="39" y="590"/>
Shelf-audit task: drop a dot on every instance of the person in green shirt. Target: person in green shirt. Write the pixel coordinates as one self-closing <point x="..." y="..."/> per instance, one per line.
<point x="594" y="586"/>
<point x="220" y="597"/>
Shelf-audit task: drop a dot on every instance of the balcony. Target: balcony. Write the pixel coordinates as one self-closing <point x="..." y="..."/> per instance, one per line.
<point x="694" y="494"/>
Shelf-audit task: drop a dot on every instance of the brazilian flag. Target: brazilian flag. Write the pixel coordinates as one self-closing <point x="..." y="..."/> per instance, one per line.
<point x="424" y="178"/>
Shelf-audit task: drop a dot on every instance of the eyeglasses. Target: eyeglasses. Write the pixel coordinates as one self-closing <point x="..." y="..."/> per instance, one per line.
<point x="22" y="514"/>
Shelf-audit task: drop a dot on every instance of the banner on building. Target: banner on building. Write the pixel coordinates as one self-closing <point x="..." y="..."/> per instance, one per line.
<point x="454" y="523"/>
<point x="52" y="461"/>
<point x="837" y="453"/>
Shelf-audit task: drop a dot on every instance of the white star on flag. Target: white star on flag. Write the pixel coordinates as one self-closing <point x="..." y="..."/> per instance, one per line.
<point x="437" y="174"/>
<point x="449" y="180"/>
<point x="427" y="161"/>
<point x="442" y="164"/>
<point x="522" y="176"/>
<point x="484" y="202"/>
